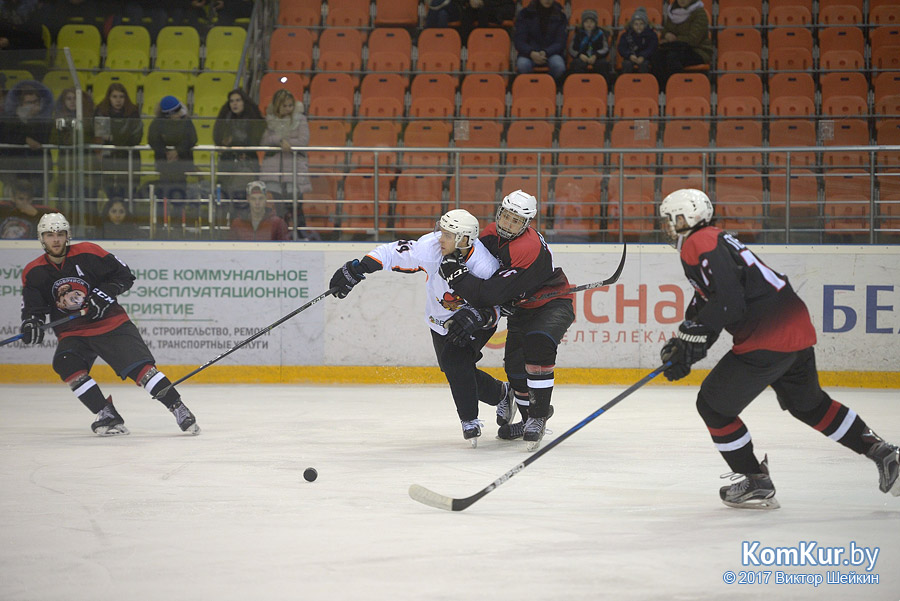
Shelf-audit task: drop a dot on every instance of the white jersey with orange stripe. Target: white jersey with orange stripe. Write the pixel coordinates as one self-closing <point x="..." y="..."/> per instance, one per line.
<point x="424" y="254"/>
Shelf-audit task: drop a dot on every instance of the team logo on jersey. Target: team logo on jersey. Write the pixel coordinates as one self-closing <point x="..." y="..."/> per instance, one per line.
<point x="451" y="301"/>
<point x="70" y="293"/>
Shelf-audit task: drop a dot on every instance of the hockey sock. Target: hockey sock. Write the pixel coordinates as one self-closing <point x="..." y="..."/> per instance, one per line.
<point x="153" y="381"/>
<point x="522" y="402"/>
<point x="87" y="391"/>
<point x="731" y="438"/>
<point x="838" y="423"/>
<point x="540" y="388"/>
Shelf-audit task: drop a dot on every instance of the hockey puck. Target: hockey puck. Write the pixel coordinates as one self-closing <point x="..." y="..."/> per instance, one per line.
<point x="310" y="474"/>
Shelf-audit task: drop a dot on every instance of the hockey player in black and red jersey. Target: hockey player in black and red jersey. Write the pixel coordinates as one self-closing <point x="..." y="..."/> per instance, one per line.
<point x="773" y="339"/>
<point x="534" y="329"/>
<point x="84" y="278"/>
<point x="457" y="349"/>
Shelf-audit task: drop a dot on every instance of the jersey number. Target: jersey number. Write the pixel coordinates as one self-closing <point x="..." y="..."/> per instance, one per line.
<point x="752" y="260"/>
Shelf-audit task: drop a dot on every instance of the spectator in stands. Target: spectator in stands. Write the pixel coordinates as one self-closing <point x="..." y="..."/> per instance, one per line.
<point x="27" y="122"/>
<point x="64" y="116"/>
<point x="637" y="43"/>
<point x="18" y="220"/>
<point x="684" y="39"/>
<point x="173" y="137"/>
<point x="589" y="48"/>
<point x="116" y="223"/>
<point x="117" y="121"/>
<point x="441" y="13"/>
<point x="239" y="123"/>
<point x="484" y="13"/>
<point x="286" y="126"/>
<point x="20" y="25"/>
<point x="540" y="38"/>
<point x="260" y="222"/>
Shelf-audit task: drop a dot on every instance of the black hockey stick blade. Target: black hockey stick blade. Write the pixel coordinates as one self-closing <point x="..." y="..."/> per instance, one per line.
<point x="433" y="499"/>
<point x="46" y="326"/>
<point x="610" y="280"/>
<point x="265" y="330"/>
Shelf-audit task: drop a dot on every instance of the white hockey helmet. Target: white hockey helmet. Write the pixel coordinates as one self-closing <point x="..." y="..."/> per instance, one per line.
<point x="692" y="206"/>
<point x="520" y="208"/>
<point x="462" y="224"/>
<point x="53" y="222"/>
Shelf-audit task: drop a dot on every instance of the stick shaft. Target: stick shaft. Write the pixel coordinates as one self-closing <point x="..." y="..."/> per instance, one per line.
<point x="610" y="280"/>
<point x="46" y="326"/>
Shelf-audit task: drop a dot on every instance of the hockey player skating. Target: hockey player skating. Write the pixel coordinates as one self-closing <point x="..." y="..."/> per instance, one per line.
<point x="535" y="329"/>
<point x="67" y="279"/>
<point x="773" y="340"/>
<point x="457" y="351"/>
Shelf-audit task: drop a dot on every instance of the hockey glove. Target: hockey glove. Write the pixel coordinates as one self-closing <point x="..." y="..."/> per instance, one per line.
<point x="453" y="268"/>
<point x="31" y="330"/>
<point x="345" y="278"/>
<point x="468" y="320"/>
<point x="686" y="349"/>
<point x="98" y="303"/>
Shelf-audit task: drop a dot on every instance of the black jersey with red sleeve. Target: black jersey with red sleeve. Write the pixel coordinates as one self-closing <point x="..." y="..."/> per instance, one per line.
<point x="526" y="269"/>
<point x="737" y="292"/>
<point x="63" y="289"/>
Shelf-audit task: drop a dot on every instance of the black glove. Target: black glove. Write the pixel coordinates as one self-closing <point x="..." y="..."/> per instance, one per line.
<point x="453" y="268"/>
<point x="345" y="278"/>
<point x="686" y="349"/>
<point x="32" y="332"/>
<point x="98" y="303"/>
<point x="466" y="321"/>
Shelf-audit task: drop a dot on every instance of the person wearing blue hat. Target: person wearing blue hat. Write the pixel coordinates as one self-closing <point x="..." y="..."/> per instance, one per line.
<point x="172" y="137"/>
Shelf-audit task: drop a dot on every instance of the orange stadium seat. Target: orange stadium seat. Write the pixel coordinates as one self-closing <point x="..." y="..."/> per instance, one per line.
<point x="887" y="93"/>
<point x="273" y="81"/>
<point x="792" y="94"/>
<point x="533" y="96"/>
<point x="676" y="179"/>
<point x="483" y="95"/>
<point x="840" y="14"/>
<point x="584" y="96"/>
<point x="358" y="209"/>
<point x="848" y="132"/>
<point x="804" y="195"/>
<point x="419" y="200"/>
<point x="732" y="133"/>
<point x="739" y="16"/>
<point x="884" y="15"/>
<point x="480" y="134"/>
<point x="739" y="95"/>
<point x="685" y="134"/>
<point x="426" y="134"/>
<point x="633" y="134"/>
<point x="326" y="133"/>
<point x="488" y="51"/>
<point x="739" y="40"/>
<point x="790" y="16"/>
<point x="374" y="134"/>
<point x="576" y="203"/>
<point x="636" y="215"/>
<point x="396" y="12"/>
<point x="529" y="134"/>
<point x="439" y="50"/>
<point x="341" y="50"/>
<point x="739" y="203"/>
<point x="433" y="96"/>
<point x="842" y="48"/>
<point x="846" y="207"/>
<point x="300" y="13"/>
<point x="687" y="95"/>
<point x="477" y="193"/>
<point x="291" y="49"/>
<point x="381" y="95"/>
<point x="331" y="95"/>
<point x="844" y="94"/>
<point x="791" y="132"/>
<point x="790" y="49"/>
<point x="390" y="49"/>
<point x="790" y="37"/>
<point x="888" y="134"/>
<point x="527" y="181"/>
<point x="636" y="95"/>
<point x="348" y="13"/>
<point x="581" y="134"/>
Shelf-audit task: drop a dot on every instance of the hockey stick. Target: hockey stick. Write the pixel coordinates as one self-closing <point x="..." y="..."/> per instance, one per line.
<point x="46" y="326"/>
<point x="610" y="280"/>
<point x="265" y="330"/>
<point x="428" y="497"/>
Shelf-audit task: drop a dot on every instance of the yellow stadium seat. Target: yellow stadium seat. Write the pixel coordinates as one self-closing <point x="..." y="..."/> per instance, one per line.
<point x="223" y="48"/>
<point x="133" y="38"/>
<point x="100" y="83"/>
<point x="211" y="92"/>
<point x="163" y="83"/>
<point x="83" y="41"/>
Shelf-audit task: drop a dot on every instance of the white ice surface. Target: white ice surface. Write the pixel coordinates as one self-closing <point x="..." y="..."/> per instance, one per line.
<point x="626" y="509"/>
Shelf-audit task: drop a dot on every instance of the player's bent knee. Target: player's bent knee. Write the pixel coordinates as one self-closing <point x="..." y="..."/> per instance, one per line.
<point x="540" y="349"/>
<point x="68" y="364"/>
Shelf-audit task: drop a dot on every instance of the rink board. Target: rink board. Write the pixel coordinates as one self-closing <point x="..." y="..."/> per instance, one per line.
<point x="194" y="301"/>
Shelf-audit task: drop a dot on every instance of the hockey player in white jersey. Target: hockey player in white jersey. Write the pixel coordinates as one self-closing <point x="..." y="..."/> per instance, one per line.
<point x="446" y="314"/>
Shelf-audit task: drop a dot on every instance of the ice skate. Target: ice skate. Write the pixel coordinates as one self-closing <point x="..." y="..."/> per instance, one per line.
<point x="887" y="457"/>
<point x="472" y="430"/>
<point x="109" y="422"/>
<point x="186" y="420"/>
<point x="511" y="431"/>
<point x="506" y="408"/>
<point x="755" y="491"/>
